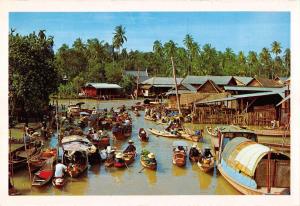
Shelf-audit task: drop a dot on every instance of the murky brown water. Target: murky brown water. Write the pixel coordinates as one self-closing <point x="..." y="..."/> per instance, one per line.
<point x="167" y="180"/>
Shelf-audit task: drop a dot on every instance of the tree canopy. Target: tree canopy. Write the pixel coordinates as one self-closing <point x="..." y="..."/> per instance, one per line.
<point x="32" y="73"/>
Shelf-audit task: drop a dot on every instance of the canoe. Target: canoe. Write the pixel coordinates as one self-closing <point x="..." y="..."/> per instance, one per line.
<point x="59" y="182"/>
<point x="143" y="136"/>
<point x="210" y="131"/>
<point x="273" y="133"/>
<point x="206" y="164"/>
<point x="129" y="157"/>
<point x="149" y="118"/>
<point x="45" y="174"/>
<point x="188" y="136"/>
<point x="146" y="164"/>
<point x="122" y="132"/>
<point x="37" y="161"/>
<point x="179" y="158"/>
<point x="163" y="133"/>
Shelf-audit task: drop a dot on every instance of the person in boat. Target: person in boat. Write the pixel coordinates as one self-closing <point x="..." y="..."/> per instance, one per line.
<point x="194" y="152"/>
<point x="151" y="159"/>
<point x="60" y="169"/>
<point x="127" y="122"/>
<point x="130" y="147"/>
<point x="207" y="153"/>
<point x="142" y="132"/>
<point x="119" y="158"/>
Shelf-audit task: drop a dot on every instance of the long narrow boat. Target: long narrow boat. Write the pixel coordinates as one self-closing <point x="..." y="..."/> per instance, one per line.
<point x="189" y="135"/>
<point x="179" y="153"/>
<point x="143" y="135"/>
<point x="149" y="118"/>
<point x="148" y="160"/>
<point x="129" y="157"/>
<point x="255" y="169"/>
<point x="37" y="161"/>
<point x="206" y="164"/>
<point x="75" y="154"/>
<point x="273" y="133"/>
<point x="121" y="132"/>
<point x="45" y="174"/>
<point x="163" y="133"/>
<point x="59" y="182"/>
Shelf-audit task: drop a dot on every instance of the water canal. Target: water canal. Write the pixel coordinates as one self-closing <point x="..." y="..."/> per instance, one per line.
<point x="167" y="180"/>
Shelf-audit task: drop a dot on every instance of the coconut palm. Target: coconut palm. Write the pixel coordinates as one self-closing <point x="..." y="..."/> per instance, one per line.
<point x="119" y="37"/>
<point x="265" y="59"/>
<point x="42" y="34"/>
<point x="287" y="61"/>
<point x="252" y="62"/>
<point x="276" y="50"/>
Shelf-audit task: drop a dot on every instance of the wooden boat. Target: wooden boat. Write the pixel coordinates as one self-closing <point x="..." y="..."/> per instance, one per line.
<point x="129" y="157"/>
<point x="59" y="182"/>
<point x="273" y="132"/>
<point x="145" y="157"/>
<point x="121" y="132"/>
<point x="76" y="150"/>
<point x="163" y="133"/>
<point x="119" y="161"/>
<point x="189" y="135"/>
<point x="227" y="133"/>
<point x="179" y="153"/>
<point x="211" y="132"/>
<point x="149" y="118"/>
<point x="143" y="135"/>
<point x="37" y="161"/>
<point x="206" y="164"/>
<point x="136" y="113"/>
<point x="254" y="169"/>
<point x="161" y="122"/>
<point x="45" y="174"/>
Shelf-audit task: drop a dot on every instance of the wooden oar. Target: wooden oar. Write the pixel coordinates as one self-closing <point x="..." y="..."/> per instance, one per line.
<point x="141" y="169"/>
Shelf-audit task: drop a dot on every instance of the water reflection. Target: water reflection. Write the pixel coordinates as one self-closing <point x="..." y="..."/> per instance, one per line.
<point x="151" y="176"/>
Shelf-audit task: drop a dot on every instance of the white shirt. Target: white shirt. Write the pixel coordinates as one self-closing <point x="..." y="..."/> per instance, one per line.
<point x="59" y="170"/>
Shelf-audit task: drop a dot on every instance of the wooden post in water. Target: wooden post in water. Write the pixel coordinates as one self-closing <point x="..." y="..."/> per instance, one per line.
<point x="269" y="173"/>
<point x="175" y="81"/>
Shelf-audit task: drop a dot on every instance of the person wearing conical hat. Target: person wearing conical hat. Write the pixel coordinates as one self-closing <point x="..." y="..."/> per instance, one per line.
<point x="130" y="147"/>
<point x="194" y="152"/>
<point x="151" y="158"/>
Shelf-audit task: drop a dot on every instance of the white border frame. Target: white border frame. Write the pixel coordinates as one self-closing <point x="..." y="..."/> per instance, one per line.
<point x="292" y="6"/>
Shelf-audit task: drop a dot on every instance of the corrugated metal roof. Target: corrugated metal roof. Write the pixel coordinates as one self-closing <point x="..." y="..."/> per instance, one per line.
<point x="244" y="80"/>
<point x="137" y="73"/>
<point x="189" y="87"/>
<point x="103" y="85"/>
<point x="219" y="80"/>
<point x="266" y="82"/>
<point x="162" y="81"/>
<point x="179" y="92"/>
<point x="234" y="97"/>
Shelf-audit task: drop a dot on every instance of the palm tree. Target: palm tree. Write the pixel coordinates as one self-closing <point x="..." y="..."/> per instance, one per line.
<point x="265" y="59"/>
<point x="42" y="34"/>
<point x="276" y="50"/>
<point x="170" y="51"/>
<point x="241" y="63"/>
<point x="188" y="42"/>
<point x="252" y="62"/>
<point x="287" y="61"/>
<point x="158" y="53"/>
<point x="119" y="37"/>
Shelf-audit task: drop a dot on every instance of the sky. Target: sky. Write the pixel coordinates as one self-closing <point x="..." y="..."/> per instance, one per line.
<point x="241" y="31"/>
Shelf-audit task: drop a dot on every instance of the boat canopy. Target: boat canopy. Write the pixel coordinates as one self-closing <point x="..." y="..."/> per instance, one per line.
<point x="74" y="138"/>
<point x="76" y="146"/>
<point x="244" y="155"/>
<point x="179" y="143"/>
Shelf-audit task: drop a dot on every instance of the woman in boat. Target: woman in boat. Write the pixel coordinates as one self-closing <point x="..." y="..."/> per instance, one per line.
<point x="194" y="152"/>
<point x="130" y="147"/>
<point x="151" y="159"/>
<point x="207" y="153"/>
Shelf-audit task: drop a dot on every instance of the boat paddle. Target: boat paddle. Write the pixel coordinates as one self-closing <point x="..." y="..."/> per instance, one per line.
<point x="141" y="169"/>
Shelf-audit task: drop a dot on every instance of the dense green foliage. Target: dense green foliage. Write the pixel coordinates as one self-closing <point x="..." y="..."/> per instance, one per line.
<point x="32" y="73"/>
<point x="98" y="61"/>
<point x="34" y="67"/>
